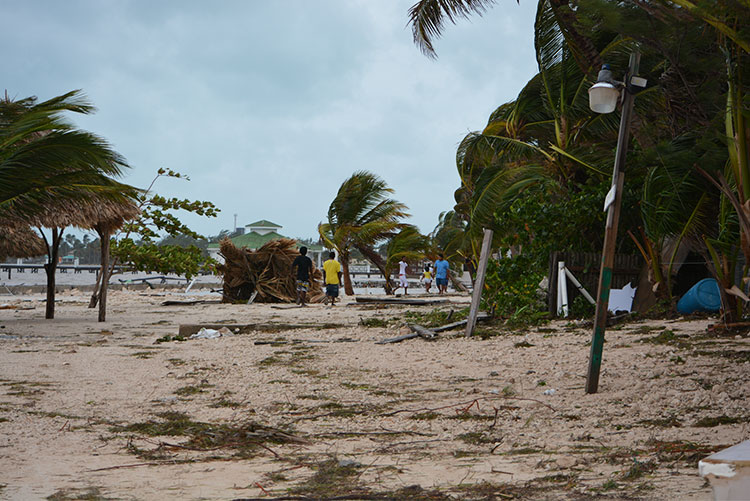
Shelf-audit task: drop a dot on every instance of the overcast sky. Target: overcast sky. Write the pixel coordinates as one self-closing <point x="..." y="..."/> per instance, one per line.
<point x="269" y="105"/>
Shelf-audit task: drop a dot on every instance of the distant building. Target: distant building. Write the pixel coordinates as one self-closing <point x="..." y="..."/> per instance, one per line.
<point x="259" y="233"/>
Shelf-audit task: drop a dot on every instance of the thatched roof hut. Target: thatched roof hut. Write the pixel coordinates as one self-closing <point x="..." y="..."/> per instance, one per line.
<point x="101" y="214"/>
<point x="87" y="214"/>
<point x="21" y="241"/>
<point x="266" y="271"/>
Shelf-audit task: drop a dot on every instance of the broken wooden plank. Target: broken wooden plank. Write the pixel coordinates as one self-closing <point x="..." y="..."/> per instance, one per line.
<point x="423" y="332"/>
<point x="190" y="329"/>
<point x="174" y="302"/>
<point x="476" y="296"/>
<point x="408" y="302"/>
<point x="460" y="323"/>
<point x="398" y="339"/>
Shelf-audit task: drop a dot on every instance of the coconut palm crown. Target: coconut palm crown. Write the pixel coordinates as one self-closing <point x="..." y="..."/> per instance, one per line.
<point x="361" y="215"/>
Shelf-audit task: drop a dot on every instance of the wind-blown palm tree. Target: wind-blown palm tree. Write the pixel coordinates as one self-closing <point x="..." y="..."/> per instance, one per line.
<point x="546" y="137"/>
<point x="43" y="157"/>
<point x="408" y="244"/>
<point x="55" y="175"/>
<point x="428" y="19"/>
<point x="359" y="217"/>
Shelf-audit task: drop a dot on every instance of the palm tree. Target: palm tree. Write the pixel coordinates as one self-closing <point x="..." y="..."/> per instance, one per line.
<point x="547" y="137"/>
<point x="428" y="18"/>
<point x="359" y="217"/>
<point x="43" y="157"/>
<point x="54" y="175"/>
<point x="677" y="206"/>
<point x="408" y="244"/>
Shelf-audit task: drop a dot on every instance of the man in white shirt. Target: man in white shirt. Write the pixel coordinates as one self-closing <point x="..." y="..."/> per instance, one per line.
<point x="403" y="282"/>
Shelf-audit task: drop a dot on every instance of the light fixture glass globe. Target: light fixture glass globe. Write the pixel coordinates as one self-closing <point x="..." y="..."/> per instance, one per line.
<point x="603" y="97"/>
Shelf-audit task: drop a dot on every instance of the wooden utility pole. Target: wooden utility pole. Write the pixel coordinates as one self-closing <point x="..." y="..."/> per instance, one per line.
<point x="610" y="231"/>
<point x="476" y="295"/>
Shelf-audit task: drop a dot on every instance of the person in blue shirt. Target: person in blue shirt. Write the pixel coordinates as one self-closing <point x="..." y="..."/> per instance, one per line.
<point x="442" y="274"/>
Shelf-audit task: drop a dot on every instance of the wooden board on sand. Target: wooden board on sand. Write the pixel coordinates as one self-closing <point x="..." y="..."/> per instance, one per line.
<point x="408" y="302"/>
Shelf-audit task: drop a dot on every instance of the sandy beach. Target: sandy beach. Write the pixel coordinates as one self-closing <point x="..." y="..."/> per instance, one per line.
<point x="303" y="402"/>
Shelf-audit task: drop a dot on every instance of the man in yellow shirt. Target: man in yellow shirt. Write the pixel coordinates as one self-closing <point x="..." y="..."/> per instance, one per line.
<point x="332" y="278"/>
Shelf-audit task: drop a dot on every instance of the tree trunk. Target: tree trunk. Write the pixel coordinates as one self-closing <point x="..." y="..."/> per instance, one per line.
<point x="457" y="284"/>
<point x="53" y="251"/>
<point x="379" y="263"/>
<point x="104" y="236"/>
<point x="348" y="289"/>
<point x="95" y="295"/>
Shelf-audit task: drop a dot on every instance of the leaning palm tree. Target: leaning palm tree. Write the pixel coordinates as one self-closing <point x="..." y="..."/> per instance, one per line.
<point x="55" y="175"/>
<point x="428" y="19"/>
<point x="44" y="157"/>
<point x="360" y="216"/>
<point x="547" y="137"/>
<point x="408" y="244"/>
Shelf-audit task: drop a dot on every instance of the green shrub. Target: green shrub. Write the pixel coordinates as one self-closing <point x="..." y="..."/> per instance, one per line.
<point x="511" y="287"/>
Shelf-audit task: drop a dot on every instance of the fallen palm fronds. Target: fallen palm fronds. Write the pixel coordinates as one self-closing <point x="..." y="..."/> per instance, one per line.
<point x="267" y="271"/>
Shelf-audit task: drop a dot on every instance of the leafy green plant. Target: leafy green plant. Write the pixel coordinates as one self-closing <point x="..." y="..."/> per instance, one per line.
<point x="138" y="246"/>
<point x="581" y="308"/>
<point x="511" y="287"/>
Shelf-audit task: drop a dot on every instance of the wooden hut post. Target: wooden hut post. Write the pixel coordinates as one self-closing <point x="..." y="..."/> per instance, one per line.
<point x="104" y="239"/>
<point x="51" y="268"/>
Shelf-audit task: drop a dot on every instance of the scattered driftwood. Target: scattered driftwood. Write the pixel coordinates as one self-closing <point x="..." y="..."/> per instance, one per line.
<point x="147" y="280"/>
<point x="408" y="302"/>
<point x="171" y="302"/>
<point x="398" y="339"/>
<point x="263" y="275"/>
<point x="462" y="407"/>
<point x="730" y="326"/>
<point x="280" y="342"/>
<point x="190" y="329"/>
<point x="423" y="332"/>
<point x="15" y="307"/>
<point x="431" y="333"/>
<point x="460" y="323"/>
<point x="417" y="331"/>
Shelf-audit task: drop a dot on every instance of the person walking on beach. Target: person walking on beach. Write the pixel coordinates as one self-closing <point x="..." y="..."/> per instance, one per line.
<point x="332" y="278"/>
<point x="304" y="272"/>
<point x="427" y="278"/>
<point x="402" y="281"/>
<point x="442" y="273"/>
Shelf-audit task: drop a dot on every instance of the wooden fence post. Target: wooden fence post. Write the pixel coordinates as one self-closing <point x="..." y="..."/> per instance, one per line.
<point x="476" y="296"/>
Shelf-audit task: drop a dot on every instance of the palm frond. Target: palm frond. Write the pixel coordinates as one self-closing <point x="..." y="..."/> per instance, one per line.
<point x="428" y="17"/>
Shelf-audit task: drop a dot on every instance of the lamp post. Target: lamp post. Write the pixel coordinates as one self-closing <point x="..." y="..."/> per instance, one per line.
<point x="603" y="97"/>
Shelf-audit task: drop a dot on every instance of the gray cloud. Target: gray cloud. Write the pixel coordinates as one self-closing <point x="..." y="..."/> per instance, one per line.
<point x="269" y="106"/>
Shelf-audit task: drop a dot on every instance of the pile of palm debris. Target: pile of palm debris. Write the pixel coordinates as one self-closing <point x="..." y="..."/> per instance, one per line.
<point x="267" y="271"/>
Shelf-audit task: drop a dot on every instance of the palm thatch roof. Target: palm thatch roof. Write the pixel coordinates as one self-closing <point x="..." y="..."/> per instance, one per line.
<point x="267" y="271"/>
<point x="20" y="242"/>
<point x="87" y="214"/>
<point x="17" y="239"/>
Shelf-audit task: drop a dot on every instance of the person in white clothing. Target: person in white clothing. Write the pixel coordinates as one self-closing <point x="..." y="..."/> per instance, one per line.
<point x="402" y="275"/>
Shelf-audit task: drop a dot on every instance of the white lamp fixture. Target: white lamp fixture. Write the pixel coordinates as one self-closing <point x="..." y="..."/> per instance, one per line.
<point x="603" y="95"/>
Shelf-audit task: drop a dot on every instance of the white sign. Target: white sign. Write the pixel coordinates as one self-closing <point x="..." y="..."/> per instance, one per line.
<point x="610" y="197"/>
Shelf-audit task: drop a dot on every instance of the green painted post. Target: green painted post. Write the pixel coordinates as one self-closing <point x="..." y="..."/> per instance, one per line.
<point x="610" y="232"/>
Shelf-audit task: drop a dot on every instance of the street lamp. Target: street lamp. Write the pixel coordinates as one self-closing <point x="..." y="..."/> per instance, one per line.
<point x="604" y="94"/>
<point x="603" y="98"/>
